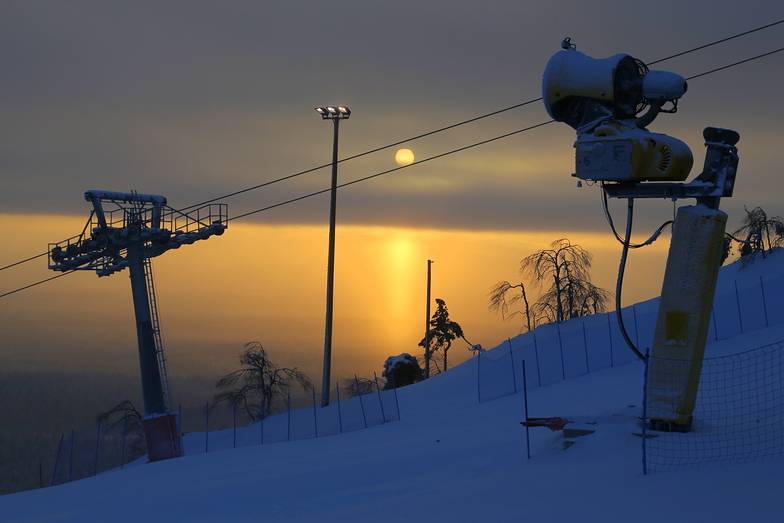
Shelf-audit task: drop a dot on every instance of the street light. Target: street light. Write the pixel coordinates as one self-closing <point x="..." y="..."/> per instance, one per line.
<point x="336" y="114"/>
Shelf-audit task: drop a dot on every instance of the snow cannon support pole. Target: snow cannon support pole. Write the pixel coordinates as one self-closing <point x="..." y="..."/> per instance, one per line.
<point x="684" y="317"/>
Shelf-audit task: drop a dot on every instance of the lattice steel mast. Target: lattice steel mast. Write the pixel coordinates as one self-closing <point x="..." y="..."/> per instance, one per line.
<point x="139" y="227"/>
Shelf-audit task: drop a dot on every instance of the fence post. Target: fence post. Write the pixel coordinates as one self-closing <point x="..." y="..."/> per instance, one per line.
<point x="207" y="428"/>
<point x="380" y="402"/>
<point x="560" y="345"/>
<point x="180" y="434"/>
<point x="525" y="401"/>
<point x="340" y="416"/>
<point x="70" y="460"/>
<point x="645" y="412"/>
<point x="479" y="378"/>
<point x="609" y="331"/>
<point x="737" y="301"/>
<point x="288" y="409"/>
<point x="57" y="459"/>
<point x="536" y="354"/>
<point x="511" y="358"/>
<point x="394" y="389"/>
<point x="315" y="416"/>
<point x="764" y="303"/>
<point x="361" y="403"/>
<point x="585" y="346"/>
<point x="263" y="415"/>
<point x="125" y="435"/>
<point x="97" y="443"/>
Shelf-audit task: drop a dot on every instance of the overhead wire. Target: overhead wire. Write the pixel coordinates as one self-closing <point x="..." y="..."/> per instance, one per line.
<point x="487" y="115"/>
<point x="429" y="133"/>
<point x="345" y="184"/>
<point x="34" y="284"/>
<point x="411" y="139"/>
<point x="736" y="63"/>
<point x="470" y="120"/>
<point x="31" y="258"/>
<point x="716" y="42"/>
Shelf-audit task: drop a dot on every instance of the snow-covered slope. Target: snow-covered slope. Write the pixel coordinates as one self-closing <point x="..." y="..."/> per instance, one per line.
<point x="448" y="459"/>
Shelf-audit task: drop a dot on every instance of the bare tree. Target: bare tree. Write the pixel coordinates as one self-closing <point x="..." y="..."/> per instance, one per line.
<point x="125" y="413"/>
<point x="563" y="271"/>
<point x="500" y="305"/>
<point x="759" y="233"/>
<point x="260" y="382"/>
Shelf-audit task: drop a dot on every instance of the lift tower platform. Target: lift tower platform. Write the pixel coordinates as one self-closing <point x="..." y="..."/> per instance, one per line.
<point x="127" y="230"/>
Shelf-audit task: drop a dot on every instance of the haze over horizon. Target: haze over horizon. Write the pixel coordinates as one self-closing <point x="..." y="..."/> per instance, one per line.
<point x="197" y="100"/>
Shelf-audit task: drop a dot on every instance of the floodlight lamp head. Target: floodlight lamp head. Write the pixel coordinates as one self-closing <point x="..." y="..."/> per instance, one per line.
<point x="584" y="92"/>
<point x="334" y="112"/>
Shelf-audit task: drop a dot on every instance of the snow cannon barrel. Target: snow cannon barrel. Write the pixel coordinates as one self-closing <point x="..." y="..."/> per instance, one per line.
<point x="603" y="100"/>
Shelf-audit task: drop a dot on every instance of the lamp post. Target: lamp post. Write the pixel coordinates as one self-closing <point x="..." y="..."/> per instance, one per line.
<point x="336" y="114"/>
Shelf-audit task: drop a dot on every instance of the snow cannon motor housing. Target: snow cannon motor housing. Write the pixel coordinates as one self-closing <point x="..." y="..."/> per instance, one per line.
<point x="617" y="154"/>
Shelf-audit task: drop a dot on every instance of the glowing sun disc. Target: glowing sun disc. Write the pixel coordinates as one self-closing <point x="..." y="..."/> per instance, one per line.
<point x="404" y="157"/>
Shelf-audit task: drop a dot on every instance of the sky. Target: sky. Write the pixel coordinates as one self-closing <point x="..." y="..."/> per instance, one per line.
<point x="196" y="100"/>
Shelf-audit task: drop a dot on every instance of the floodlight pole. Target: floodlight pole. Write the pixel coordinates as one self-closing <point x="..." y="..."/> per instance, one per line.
<point x="335" y="114"/>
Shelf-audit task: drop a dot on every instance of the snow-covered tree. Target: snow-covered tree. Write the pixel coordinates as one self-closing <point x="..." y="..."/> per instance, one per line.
<point x="402" y="370"/>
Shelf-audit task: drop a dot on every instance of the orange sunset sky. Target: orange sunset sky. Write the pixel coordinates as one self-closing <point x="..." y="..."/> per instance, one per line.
<point x="198" y="100"/>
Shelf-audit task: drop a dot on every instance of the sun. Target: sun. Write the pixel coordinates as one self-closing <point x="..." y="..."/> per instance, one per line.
<point x="404" y="157"/>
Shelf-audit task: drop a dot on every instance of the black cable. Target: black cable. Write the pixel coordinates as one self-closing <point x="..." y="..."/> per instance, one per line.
<point x="313" y="193"/>
<point x="453" y="126"/>
<point x="608" y="217"/>
<point x="31" y="258"/>
<point x="619" y="283"/>
<point x="391" y="170"/>
<point x="716" y="42"/>
<point x="421" y="136"/>
<point x="34" y="284"/>
<point x="429" y="133"/>
<point x="736" y="63"/>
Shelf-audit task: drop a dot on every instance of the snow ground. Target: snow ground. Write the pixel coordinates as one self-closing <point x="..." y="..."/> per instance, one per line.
<point x="449" y="459"/>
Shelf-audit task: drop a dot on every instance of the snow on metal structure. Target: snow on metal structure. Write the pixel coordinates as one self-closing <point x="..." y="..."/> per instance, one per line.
<point x="138" y="219"/>
<point x="604" y="100"/>
<point x="127" y="230"/>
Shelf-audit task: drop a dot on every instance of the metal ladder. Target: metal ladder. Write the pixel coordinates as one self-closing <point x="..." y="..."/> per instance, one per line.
<point x="156" y="329"/>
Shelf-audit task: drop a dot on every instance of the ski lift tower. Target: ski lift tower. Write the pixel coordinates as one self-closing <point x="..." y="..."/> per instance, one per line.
<point x="127" y="230"/>
<point x="604" y="100"/>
